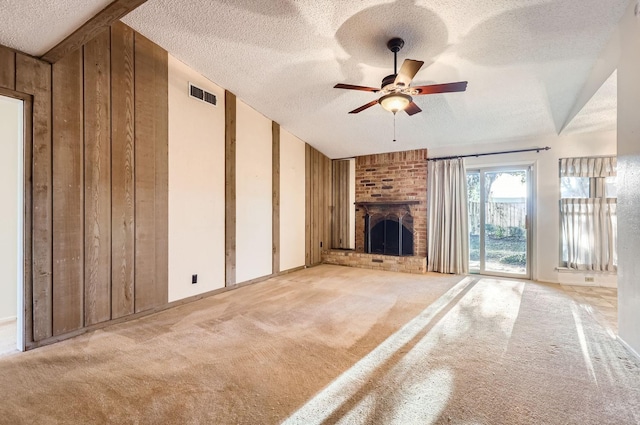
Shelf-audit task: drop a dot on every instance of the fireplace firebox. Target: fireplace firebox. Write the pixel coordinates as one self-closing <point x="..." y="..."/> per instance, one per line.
<point x="388" y="228"/>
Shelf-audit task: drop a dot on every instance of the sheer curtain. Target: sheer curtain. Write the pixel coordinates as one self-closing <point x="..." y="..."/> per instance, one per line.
<point x="448" y="248"/>
<point x="589" y="225"/>
<point x="589" y="228"/>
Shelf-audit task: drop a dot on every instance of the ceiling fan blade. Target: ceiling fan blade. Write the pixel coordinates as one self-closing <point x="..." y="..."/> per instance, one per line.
<point x="352" y="87"/>
<point x="408" y="70"/>
<point x="363" y="107"/>
<point x="441" y="88"/>
<point x="412" y="109"/>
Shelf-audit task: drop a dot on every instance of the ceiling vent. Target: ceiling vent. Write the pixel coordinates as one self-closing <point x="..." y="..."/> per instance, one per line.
<point x="202" y="95"/>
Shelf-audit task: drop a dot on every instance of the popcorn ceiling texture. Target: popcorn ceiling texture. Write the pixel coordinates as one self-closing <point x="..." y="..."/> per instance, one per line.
<point x="35" y="26"/>
<point x="526" y="61"/>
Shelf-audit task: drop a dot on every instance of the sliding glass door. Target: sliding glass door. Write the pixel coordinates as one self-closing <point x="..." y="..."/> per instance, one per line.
<point x="499" y="205"/>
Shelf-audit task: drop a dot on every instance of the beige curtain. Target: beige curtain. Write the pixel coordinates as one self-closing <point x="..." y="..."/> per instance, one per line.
<point x="448" y="247"/>
<point x="589" y="228"/>
<point x="588" y="167"/>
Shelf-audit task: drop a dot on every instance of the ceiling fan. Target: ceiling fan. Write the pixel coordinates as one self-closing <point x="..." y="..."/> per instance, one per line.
<point x="396" y="87"/>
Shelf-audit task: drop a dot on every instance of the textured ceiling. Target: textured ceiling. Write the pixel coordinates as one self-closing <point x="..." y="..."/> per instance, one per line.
<point x="35" y="26"/>
<point x="527" y="61"/>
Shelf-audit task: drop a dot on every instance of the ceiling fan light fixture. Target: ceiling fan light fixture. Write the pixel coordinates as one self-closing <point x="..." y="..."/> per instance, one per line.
<point x="395" y="102"/>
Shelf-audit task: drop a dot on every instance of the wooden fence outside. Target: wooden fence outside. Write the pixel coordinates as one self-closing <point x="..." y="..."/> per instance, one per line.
<point x="502" y="215"/>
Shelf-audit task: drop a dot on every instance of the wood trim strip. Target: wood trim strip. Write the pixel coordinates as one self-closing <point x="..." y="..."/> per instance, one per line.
<point x="275" y="202"/>
<point x="28" y="220"/>
<point x="91" y="28"/>
<point x="33" y="77"/>
<point x="161" y="115"/>
<point x="230" y="188"/>
<point x="8" y="68"/>
<point x="307" y="202"/>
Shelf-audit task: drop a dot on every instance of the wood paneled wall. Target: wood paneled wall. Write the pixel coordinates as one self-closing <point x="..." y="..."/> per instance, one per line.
<point x="318" y="205"/>
<point x="96" y="195"/>
<point x="340" y="217"/>
<point x="97" y="236"/>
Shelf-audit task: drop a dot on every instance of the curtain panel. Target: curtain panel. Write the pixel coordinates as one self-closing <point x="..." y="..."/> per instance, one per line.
<point x="448" y="248"/>
<point x="588" y="167"/>
<point x="589" y="228"/>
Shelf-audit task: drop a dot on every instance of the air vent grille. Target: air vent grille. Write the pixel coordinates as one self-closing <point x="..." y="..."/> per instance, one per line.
<point x="202" y="95"/>
<point x="210" y="98"/>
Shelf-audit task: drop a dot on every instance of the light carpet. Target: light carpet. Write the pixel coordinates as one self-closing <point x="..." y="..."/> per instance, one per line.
<point x="339" y="345"/>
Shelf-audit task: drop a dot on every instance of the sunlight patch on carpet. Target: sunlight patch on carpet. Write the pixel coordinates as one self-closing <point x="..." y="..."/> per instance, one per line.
<point x="340" y="391"/>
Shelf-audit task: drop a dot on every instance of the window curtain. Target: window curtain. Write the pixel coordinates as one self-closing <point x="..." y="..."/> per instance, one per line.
<point x="588" y="167"/>
<point x="448" y="247"/>
<point x="589" y="228"/>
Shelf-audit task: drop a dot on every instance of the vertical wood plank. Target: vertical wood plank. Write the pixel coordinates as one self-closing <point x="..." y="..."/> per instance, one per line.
<point x="151" y="144"/>
<point x="327" y="201"/>
<point x="275" y="201"/>
<point x="340" y="208"/>
<point x="122" y="172"/>
<point x="307" y="203"/>
<point x="230" y="188"/>
<point x="317" y="183"/>
<point x="28" y="220"/>
<point x="34" y="77"/>
<point x="97" y="178"/>
<point x="161" y="91"/>
<point x="68" y="211"/>
<point x="339" y="213"/>
<point x="7" y="68"/>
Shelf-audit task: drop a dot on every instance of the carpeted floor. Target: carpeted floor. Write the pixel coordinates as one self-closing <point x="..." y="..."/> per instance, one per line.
<point x="339" y="345"/>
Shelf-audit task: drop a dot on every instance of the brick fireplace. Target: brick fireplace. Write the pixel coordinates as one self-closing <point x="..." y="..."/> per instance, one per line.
<point x="391" y="210"/>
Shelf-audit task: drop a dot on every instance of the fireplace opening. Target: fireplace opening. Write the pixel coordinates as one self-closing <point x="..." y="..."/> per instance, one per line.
<point x="390" y="237"/>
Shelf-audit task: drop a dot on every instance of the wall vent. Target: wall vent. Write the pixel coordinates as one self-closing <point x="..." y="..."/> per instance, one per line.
<point x="210" y="98"/>
<point x="202" y="95"/>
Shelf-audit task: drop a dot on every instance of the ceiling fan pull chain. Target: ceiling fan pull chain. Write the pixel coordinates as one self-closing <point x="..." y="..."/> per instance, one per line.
<point x="394" y="126"/>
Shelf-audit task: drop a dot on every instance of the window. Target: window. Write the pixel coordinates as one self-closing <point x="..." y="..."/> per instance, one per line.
<point x="588" y="213"/>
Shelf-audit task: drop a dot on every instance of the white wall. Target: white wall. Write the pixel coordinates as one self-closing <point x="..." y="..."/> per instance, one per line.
<point x="292" y="201"/>
<point x="546" y="240"/>
<point x="196" y="185"/>
<point x="10" y="140"/>
<point x="629" y="181"/>
<point x="253" y="194"/>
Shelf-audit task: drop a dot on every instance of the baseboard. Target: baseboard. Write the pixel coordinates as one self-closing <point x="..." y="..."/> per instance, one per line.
<point x="7" y="319"/>
<point x="628" y="347"/>
<point x="52" y="340"/>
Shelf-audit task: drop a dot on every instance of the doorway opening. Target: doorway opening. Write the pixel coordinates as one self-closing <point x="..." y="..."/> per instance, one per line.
<point x="11" y="225"/>
<point x="499" y="202"/>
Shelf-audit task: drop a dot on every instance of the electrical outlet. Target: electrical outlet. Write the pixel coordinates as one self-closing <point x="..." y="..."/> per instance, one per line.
<point x="194" y="278"/>
<point x="589" y="279"/>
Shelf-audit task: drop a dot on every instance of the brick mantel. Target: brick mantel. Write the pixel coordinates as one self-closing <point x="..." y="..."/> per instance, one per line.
<point x="393" y="182"/>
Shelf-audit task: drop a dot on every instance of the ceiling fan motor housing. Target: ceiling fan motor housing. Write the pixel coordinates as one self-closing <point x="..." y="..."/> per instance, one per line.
<point x="388" y="81"/>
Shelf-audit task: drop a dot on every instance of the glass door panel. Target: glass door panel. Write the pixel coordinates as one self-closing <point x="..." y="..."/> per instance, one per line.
<point x="498" y="201"/>
<point x="473" y="190"/>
